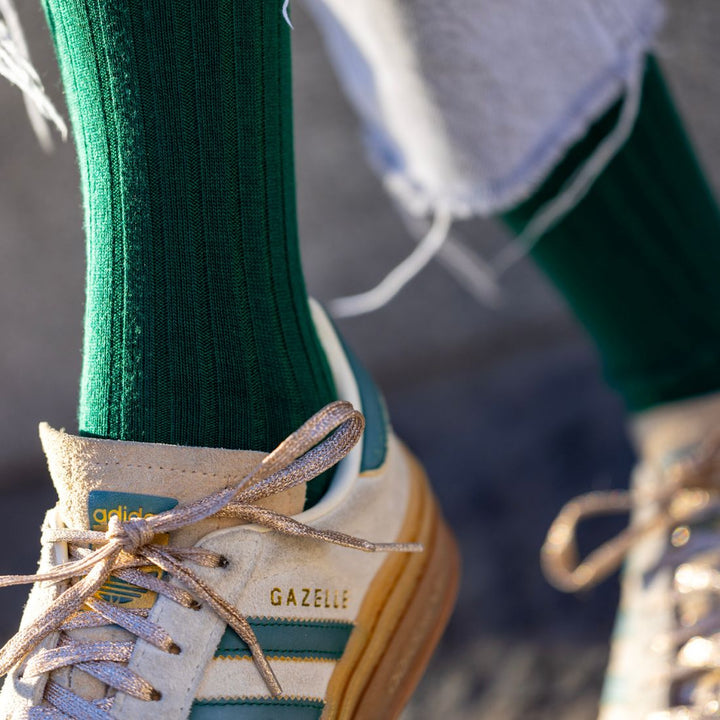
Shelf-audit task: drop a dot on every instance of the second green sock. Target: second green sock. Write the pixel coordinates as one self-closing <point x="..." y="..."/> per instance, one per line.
<point x="638" y="259"/>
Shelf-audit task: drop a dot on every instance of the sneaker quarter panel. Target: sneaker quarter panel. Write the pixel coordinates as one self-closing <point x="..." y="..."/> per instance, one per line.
<point x="189" y="582"/>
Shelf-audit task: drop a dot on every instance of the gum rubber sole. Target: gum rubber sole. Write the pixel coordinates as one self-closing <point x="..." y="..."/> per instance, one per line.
<point x="402" y="619"/>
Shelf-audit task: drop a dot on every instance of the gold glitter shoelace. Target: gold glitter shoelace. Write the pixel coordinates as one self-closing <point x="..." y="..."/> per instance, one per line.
<point x="686" y="506"/>
<point x="126" y="547"/>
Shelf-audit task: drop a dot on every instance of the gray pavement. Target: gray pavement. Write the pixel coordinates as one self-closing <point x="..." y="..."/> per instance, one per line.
<point x="506" y="407"/>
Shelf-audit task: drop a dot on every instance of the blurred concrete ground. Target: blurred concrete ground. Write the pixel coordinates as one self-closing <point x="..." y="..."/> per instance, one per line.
<point x="506" y="407"/>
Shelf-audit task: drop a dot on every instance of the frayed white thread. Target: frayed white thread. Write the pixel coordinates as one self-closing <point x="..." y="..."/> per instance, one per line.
<point x="401" y="275"/>
<point x="286" y="13"/>
<point x="479" y="277"/>
<point x="577" y="186"/>
<point x="15" y="65"/>
<point x="471" y="271"/>
<point x="467" y="267"/>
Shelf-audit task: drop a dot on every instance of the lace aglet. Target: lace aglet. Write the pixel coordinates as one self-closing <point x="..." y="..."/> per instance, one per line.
<point x="271" y="681"/>
<point x="399" y="547"/>
<point x="263" y="666"/>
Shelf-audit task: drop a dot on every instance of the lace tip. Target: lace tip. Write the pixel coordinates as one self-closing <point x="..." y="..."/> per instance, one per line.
<point x="399" y="547"/>
<point x="265" y="670"/>
<point x="273" y="685"/>
<point x="414" y="548"/>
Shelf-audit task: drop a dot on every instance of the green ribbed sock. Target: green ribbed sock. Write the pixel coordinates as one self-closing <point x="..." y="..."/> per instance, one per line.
<point x="638" y="259"/>
<point x="197" y="326"/>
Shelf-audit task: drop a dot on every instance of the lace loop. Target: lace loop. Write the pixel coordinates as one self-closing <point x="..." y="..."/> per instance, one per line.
<point x="683" y="497"/>
<point x="560" y="555"/>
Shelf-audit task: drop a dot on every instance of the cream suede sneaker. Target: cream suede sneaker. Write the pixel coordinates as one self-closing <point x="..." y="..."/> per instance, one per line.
<point x="180" y="582"/>
<point x="665" y="656"/>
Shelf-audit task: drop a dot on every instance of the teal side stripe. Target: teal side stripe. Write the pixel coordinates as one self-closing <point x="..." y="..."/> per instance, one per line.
<point x="376" y="415"/>
<point x="290" y="638"/>
<point x="257" y="709"/>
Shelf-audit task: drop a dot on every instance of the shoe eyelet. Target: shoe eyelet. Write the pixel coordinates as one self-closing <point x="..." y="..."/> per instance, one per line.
<point x="223" y="562"/>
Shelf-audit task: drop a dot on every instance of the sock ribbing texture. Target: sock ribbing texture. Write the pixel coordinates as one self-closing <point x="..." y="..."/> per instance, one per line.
<point x="197" y="326"/>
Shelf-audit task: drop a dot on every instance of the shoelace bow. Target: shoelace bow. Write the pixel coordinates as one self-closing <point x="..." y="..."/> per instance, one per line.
<point x="690" y="494"/>
<point x="126" y="547"/>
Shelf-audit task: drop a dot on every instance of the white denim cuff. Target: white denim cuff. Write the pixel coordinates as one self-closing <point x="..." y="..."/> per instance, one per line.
<point x="468" y="105"/>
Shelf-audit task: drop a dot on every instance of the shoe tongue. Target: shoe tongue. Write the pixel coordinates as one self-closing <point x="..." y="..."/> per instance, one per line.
<point x="96" y="479"/>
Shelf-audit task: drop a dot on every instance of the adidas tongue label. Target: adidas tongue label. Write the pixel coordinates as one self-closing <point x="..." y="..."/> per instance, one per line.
<point x="103" y="505"/>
